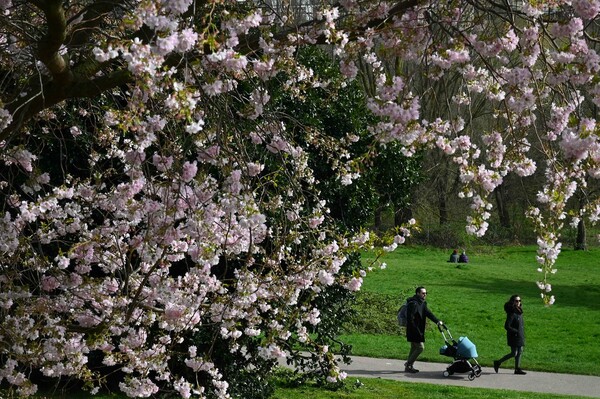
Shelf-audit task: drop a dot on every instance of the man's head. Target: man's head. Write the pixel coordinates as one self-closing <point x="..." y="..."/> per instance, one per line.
<point x="421" y="291"/>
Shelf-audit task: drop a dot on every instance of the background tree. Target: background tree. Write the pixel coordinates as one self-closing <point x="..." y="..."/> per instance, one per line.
<point x="162" y="217"/>
<point x="394" y="176"/>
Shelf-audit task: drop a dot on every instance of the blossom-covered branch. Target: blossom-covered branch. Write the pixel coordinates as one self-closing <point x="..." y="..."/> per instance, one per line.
<point x="162" y="218"/>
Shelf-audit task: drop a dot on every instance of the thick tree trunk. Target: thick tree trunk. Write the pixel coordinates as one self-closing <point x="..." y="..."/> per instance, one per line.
<point x="580" y="242"/>
<point x="503" y="215"/>
<point x="377" y="220"/>
<point x="442" y="207"/>
<point x="402" y="214"/>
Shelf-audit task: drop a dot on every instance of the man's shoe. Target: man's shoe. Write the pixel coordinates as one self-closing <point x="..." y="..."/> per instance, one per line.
<point x="496" y="365"/>
<point x="410" y="369"/>
<point x="519" y="371"/>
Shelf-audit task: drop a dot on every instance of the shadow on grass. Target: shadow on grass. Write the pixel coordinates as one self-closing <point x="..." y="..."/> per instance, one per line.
<point x="579" y="296"/>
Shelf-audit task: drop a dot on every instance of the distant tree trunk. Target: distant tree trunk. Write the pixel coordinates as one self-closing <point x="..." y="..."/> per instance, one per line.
<point x="499" y="194"/>
<point x="441" y="184"/>
<point x="580" y="242"/>
<point x="377" y="221"/>
<point x="442" y="206"/>
<point x="402" y="214"/>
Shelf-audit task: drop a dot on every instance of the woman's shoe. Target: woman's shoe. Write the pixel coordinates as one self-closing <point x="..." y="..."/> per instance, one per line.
<point x="496" y="365"/>
<point x="519" y="371"/>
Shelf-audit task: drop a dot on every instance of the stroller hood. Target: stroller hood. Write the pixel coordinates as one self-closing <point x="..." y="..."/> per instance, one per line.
<point x="466" y="348"/>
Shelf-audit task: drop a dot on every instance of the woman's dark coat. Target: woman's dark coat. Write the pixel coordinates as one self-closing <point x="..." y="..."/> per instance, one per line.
<point x="417" y="312"/>
<point x="515" y="329"/>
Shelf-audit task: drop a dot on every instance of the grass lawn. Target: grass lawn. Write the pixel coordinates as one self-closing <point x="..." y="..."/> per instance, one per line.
<point x="386" y="389"/>
<point x="470" y="298"/>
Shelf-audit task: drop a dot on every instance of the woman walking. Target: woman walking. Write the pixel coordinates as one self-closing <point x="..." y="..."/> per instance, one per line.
<point x="515" y="333"/>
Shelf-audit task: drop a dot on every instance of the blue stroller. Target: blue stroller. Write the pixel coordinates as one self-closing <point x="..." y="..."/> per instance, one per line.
<point x="464" y="354"/>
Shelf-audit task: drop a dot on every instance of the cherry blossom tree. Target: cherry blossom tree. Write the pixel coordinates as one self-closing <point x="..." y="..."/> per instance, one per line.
<point x="160" y="217"/>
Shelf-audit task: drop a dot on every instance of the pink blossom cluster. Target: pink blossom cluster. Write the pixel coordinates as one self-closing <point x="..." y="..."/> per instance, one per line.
<point x="199" y="213"/>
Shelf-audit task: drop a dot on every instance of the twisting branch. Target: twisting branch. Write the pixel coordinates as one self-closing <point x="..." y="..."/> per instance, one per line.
<point x="48" y="48"/>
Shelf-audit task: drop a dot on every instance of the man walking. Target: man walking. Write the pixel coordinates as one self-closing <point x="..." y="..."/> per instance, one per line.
<point x="417" y="313"/>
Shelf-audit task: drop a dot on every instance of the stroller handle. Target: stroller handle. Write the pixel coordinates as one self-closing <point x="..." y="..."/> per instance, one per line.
<point x="448" y="338"/>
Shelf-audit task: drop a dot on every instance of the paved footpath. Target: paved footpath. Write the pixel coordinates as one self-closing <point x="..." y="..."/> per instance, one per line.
<point x="432" y="373"/>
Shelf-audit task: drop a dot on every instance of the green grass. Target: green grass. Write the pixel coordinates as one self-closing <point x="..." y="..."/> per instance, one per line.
<point x="386" y="389"/>
<point x="470" y="298"/>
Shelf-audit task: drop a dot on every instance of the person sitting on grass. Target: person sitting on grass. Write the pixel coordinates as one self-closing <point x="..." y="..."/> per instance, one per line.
<point x="463" y="258"/>
<point x="454" y="257"/>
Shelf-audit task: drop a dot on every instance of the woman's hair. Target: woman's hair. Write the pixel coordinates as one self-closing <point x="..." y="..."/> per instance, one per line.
<point x="510" y="305"/>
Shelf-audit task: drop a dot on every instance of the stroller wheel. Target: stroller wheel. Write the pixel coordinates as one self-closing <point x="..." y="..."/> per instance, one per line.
<point x="446" y="373"/>
<point x="471" y="376"/>
<point x="477" y="371"/>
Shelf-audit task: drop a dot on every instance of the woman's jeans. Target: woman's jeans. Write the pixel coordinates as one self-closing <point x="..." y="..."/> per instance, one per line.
<point x="516" y="352"/>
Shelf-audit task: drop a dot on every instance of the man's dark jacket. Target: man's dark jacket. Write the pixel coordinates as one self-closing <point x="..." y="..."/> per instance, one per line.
<point x="417" y="312"/>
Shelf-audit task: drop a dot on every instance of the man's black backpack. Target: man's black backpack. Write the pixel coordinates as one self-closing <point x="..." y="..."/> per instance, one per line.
<point x="402" y="314"/>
